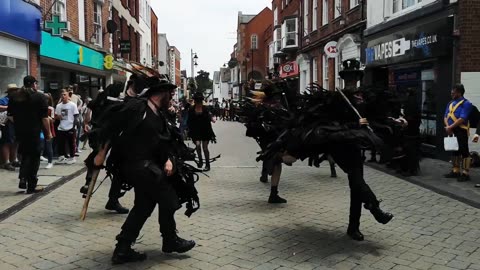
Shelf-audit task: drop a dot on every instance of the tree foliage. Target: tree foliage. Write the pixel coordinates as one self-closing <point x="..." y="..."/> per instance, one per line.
<point x="203" y="81"/>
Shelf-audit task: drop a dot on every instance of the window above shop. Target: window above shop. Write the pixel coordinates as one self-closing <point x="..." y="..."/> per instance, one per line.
<point x="60" y="9"/>
<point x="325" y="12"/>
<point x="97" y="23"/>
<point x="289" y="33"/>
<point x="400" y="5"/>
<point x="254" y="42"/>
<point x="354" y="3"/>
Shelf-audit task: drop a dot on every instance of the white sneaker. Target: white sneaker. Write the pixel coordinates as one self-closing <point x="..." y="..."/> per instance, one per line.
<point x="71" y="161"/>
<point x="49" y="166"/>
<point x="61" y="160"/>
<point x="42" y="158"/>
<point x="79" y="151"/>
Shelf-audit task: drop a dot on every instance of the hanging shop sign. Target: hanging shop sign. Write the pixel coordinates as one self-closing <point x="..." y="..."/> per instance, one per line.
<point x="289" y="69"/>
<point x="330" y="49"/>
<point x="125" y="46"/>
<point x="411" y="44"/>
<point x="108" y="61"/>
<point x="57" y="26"/>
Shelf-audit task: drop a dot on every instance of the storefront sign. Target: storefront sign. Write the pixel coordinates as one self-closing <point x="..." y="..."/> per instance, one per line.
<point x="57" y="26"/>
<point x="125" y="46"/>
<point x="108" y="62"/>
<point x="411" y="44"/>
<point x="68" y="51"/>
<point x="289" y="69"/>
<point x="21" y="19"/>
<point x="330" y="49"/>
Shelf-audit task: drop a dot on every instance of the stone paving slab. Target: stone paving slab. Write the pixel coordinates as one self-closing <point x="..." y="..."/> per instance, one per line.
<point x="237" y="229"/>
<point x="10" y="195"/>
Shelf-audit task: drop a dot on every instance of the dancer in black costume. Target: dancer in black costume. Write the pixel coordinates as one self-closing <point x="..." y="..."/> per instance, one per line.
<point x="200" y="129"/>
<point x="324" y="122"/>
<point x="104" y="100"/>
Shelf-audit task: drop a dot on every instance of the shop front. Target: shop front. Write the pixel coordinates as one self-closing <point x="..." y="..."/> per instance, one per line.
<point x="64" y="63"/>
<point x="15" y="41"/>
<point x="416" y="59"/>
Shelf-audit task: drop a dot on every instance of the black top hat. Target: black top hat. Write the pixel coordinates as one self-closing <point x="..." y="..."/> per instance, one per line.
<point x="157" y="85"/>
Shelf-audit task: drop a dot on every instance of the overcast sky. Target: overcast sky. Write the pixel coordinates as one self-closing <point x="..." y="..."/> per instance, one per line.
<point x="206" y="26"/>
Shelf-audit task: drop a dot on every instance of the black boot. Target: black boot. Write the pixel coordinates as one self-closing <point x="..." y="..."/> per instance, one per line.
<point x="274" y="198"/>
<point x="207" y="166"/>
<point x="84" y="189"/>
<point x="264" y="178"/>
<point x="379" y="214"/>
<point x="114" y="205"/>
<point x="200" y="163"/>
<point x="124" y="253"/>
<point x="354" y="232"/>
<point x="176" y="244"/>
<point x="22" y="184"/>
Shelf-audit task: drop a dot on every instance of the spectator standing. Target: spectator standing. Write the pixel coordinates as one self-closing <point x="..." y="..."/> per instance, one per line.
<point x="48" y="144"/>
<point x="67" y="113"/>
<point x="7" y="141"/>
<point x="29" y="110"/>
<point x="456" y="123"/>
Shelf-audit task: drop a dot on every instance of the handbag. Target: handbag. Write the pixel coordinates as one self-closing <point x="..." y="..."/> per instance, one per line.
<point x="3" y="118"/>
<point x="450" y="143"/>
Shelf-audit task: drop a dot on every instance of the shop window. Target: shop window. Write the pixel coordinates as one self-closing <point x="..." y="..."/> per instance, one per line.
<point x="97" y="23"/>
<point x="325" y="12"/>
<point x="12" y="70"/>
<point x="60" y="9"/>
<point x="289" y="35"/>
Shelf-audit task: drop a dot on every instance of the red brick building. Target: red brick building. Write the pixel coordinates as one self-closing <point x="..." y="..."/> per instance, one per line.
<point x="154" y="28"/>
<point x="332" y="32"/>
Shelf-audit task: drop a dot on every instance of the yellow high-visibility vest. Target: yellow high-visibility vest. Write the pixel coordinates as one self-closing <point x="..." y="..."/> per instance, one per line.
<point x="451" y="115"/>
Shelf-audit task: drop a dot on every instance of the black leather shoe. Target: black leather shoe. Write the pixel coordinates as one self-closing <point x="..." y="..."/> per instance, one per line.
<point x="264" y="179"/>
<point x="114" y="205"/>
<point x="276" y="199"/>
<point x="379" y="214"/>
<point x="124" y="253"/>
<point x="22" y="184"/>
<point x="355" y="234"/>
<point x="207" y="167"/>
<point x="451" y="175"/>
<point x="464" y="178"/>
<point x="84" y="189"/>
<point x="200" y="164"/>
<point x="35" y="190"/>
<point x="177" y="244"/>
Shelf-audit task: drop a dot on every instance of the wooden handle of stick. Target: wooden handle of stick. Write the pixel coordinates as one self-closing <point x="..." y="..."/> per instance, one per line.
<point x="91" y="186"/>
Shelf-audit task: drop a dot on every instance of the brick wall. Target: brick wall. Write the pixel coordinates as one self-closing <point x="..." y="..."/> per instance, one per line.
<point x="154" y="29"/>
<point x="469" y="49"/>
<point x="34" y="65"/>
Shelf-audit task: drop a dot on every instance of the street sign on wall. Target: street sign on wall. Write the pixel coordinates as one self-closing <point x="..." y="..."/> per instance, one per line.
<point x="125" y="46"/>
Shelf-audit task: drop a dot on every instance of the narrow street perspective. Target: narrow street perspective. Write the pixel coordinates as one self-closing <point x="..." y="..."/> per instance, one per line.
<point x="240" y="134"/>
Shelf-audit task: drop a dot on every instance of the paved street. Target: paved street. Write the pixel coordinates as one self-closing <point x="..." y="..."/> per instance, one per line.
<point x="237" y="229"/>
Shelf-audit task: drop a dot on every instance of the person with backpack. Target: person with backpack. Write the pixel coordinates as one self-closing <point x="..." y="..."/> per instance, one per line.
<point x="456" y="124"/>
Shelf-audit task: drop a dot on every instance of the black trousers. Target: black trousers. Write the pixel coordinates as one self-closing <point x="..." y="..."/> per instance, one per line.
<point x="29" y="150"/>
<point x="64" y="139"/>
<point x="151" y="188"/>
<point x="349" y="159"/>
<point x="115" y="189"/>
<point x="462" y="137"/>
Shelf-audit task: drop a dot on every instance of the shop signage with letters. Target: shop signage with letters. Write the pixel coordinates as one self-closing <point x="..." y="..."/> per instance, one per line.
<point x="125" y="46"/>
<point x="411" y="44"/>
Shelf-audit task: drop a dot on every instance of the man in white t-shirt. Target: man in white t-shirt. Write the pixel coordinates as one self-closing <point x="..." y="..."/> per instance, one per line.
<point x="67" y="113"/>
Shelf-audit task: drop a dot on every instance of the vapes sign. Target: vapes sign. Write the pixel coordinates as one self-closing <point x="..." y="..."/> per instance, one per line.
<point x="416" y="43"/>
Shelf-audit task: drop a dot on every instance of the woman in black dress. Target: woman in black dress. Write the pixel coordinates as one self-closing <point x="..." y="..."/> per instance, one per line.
<point x="200" y="129"/>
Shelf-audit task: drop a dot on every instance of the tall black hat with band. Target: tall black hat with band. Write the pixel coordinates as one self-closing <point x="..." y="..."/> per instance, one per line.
<point x="157" y="85"/>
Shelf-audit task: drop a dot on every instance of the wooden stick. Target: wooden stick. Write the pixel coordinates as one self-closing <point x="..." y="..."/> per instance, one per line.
<point x="91" y="186"/>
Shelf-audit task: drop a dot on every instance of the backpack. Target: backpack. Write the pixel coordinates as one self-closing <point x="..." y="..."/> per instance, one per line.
<point x="474" y="117"/>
